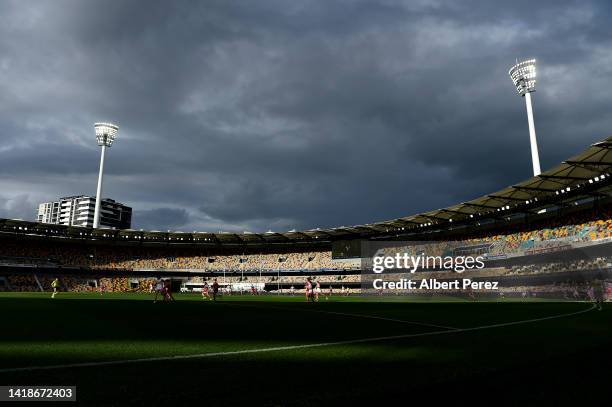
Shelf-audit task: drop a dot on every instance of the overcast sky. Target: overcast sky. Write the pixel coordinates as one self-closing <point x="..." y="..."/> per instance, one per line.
<point x="275" y="115"/>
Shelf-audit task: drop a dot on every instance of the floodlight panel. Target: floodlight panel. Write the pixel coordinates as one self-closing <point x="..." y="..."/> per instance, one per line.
<point x="523" y="76"/>
<point x="106" y="133"/>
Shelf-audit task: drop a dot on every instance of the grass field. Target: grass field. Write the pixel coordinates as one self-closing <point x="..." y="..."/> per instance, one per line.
<point x="282" y="351"/>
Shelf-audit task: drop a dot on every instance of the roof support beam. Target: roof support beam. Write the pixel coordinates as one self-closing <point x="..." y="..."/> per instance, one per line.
<point x="321" y="232"/>
<point x="408" y="222"/>
<point x="603" y="144"/>
<point x="479" y="206"/>
<point x="563" y="177"/>
<point x="507" y="197"/>
<point x="437" y="219"/>
<point x="595" y="163"/>
<point x="457" y="212"/>
<point x="287" y="238"/>
<point x="344" y="229"/>
<point x="520" y="188"/>
<point x="303" y="235"/>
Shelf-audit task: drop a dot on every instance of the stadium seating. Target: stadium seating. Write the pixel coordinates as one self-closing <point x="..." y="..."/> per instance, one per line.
<point x="586" y="226"/>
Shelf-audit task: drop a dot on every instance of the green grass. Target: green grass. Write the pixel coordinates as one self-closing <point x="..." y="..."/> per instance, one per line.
<point x="558" y="360"/>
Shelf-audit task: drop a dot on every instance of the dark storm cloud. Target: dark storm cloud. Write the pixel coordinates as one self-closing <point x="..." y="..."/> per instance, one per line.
<point x="152" y="218"/>
<point x="281" y="115"/>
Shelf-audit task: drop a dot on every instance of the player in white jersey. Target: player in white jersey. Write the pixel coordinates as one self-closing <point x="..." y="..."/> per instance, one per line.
<point x="159" y="288"/>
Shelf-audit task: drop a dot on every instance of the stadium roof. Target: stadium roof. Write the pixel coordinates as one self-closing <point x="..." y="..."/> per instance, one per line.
<point x="581" y="176"/>
<point x="586" y="175"/>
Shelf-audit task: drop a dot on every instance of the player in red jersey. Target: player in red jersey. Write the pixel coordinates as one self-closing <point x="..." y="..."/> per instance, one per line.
<point x="205" y="291"/>
<point x="308" y="288"/>
<point x="168" y="291"/>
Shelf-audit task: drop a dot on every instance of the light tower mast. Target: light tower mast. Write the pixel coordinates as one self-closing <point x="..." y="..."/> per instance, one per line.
<point x="105" y="135"/>
<point x="523" y="75"/>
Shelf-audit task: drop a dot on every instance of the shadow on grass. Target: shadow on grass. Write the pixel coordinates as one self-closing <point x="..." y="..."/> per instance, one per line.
<point x="311" y="380"/>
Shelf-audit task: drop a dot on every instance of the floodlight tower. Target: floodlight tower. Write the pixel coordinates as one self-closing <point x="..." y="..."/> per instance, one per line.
<point x="523" y="76"/>
<point x="105" y="135"/>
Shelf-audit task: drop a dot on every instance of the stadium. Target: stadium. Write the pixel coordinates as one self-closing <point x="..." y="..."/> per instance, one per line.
<point x="544" y="240"/>
<point x="215" y="121"/>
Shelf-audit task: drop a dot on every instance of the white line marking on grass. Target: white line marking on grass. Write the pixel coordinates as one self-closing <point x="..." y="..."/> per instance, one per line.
<point x="401" y="321"/>
<point x="289" y="347"/>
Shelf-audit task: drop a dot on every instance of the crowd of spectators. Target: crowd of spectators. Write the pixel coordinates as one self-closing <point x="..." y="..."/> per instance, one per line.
<point x="557" y="234"/>
<point x="45" y="253"/>
<point x="562" y="267"/>
<point x="582" y="227"/>
<point x="553" y="234"/>
<point x="20" y="283"/>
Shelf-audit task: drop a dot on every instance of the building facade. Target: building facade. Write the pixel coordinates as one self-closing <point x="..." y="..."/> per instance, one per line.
<point x="79" y="211"/>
